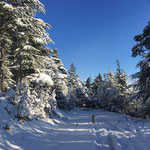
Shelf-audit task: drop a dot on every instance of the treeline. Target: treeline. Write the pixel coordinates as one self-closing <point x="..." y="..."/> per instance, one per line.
<point x="110" y="92"/>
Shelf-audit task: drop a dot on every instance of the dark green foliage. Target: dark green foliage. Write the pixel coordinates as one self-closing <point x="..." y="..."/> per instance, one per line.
<point x="142" y="48"/>
<point x="97" y="83"/>
<point x="88" y="82"/>
<point x="121" y="78"/>
<point x="77" y="90"/>
<point x="23" y="39"/>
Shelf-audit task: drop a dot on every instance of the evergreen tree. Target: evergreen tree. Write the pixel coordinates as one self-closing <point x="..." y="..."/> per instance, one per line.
<point x="110" y="80"/>
<point x="73" y="79"/>
<point x="109" y="95"/>
<point x="88" y="82"/>
<point x="72" y="76"/>
<point x="76" y="88"/>
<point x="39" y="68"/>
<point x="97" y="84"/>
<point x="8" y="23"/>
<point x="32" y="37"/>
<point x="60" y="81"/>
<point x="142" y="48"/>
<point x="25" y="36"/>
<point x="121" y="78"/>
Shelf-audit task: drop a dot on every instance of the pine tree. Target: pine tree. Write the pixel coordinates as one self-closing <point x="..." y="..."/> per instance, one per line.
<point x="60" y="81"/>
<point x="25" y="36"/>
<point x="7" y="24"/>
<point x="88" y="82"/>
<point x="73" y="79"/>
<point x="97" y="84"/>
<point x="76" y="88"/>
<point x="72" y="76"/>
<point x="32" y="37"/>
<point x="109" y="95"/>
<point x="110" y="80"/>
<point x="121" y="78"/>
<point x="142" y="48"/>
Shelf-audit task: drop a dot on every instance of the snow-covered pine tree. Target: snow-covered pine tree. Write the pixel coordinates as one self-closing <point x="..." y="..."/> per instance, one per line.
<point x="93" y="91"/>
<point x="73" y="79"/>
<point x="142" y="48"/>
<point x="109" y="95"/>
<point x="110" y="80"/>
<point x="88" y="86"/>
<point x="88" y="82"/>
<point x="39" y="68"/>
<point x="121" y="78"/>
<point x="7" y="21"/>
<point x="76" y="88"/>
<point x="72" y="76"/>
<point x="60" y="81"/>
<point x="27" y="35"/>
<point x="97" y="84"/>
<point x="39" y="94"/>
<point x="31" y="39"/>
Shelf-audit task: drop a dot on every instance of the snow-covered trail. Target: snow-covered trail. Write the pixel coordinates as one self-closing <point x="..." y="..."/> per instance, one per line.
<point x="75" y="131"/>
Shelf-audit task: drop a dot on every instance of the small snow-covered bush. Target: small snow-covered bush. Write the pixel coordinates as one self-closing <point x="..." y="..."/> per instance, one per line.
<point x="35" y="97"/>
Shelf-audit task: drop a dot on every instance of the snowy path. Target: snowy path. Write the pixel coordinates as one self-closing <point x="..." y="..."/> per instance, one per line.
<point x="75" y="131"/>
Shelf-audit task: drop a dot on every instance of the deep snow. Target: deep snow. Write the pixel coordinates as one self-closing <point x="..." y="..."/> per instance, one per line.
<point x="75" y="131"/>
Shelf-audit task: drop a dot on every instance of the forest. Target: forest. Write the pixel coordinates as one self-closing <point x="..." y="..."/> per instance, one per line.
<point x="36" y="86"/>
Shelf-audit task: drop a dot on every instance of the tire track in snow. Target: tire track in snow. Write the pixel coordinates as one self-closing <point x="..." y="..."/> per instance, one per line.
<point x="108" y="131"/>
<point x="112" y="140"/>
<point x="99" y="141"/>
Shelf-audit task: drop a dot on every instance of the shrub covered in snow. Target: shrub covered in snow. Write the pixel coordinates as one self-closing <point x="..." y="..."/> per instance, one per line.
<point x="35" y="97"/>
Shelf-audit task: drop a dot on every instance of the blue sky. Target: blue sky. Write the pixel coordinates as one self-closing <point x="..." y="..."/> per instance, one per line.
<point x="94" y="33"/>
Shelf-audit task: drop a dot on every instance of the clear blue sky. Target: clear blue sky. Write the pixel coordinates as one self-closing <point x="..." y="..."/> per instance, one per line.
<point x="94" y="33"/>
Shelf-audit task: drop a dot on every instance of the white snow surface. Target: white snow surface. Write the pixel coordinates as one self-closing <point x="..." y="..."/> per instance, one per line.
<point x="44" y="78"/>
<point x="9" y="7"/>
<point x="75" y="131"/>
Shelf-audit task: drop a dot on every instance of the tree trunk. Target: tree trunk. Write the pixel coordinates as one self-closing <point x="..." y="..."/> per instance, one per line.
<point x="2" y="69"/>
<point x="20" y="72"/>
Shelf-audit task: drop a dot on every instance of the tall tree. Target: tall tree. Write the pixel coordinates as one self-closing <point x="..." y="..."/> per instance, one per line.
<point x="8" y="23"/>
<point x="110" y="80"/>
<point x="60" y="80"/>
<point x="72" y="73"/>
<point x="28" y="35"/>
<point x="97" y="84"/>
<point x="73" y="78"/>
<point x="142" y="49"/>
<point x="121" y="78"/>
<point x="76" y="88"/>
<point x="31" y="40"/>
<point x="88" y="82"/>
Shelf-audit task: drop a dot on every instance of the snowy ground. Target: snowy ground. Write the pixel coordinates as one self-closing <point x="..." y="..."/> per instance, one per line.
<point x="75" y="131"/>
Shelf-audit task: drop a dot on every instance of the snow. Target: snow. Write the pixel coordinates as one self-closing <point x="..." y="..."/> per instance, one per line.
<point x="74" y="130"/>
<point x="62" y="76"/>
<point x="9" y="7"/>
<point x="39" y="40"/>
<point x="44" y="78"/>
<point x="27" y="47"/>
